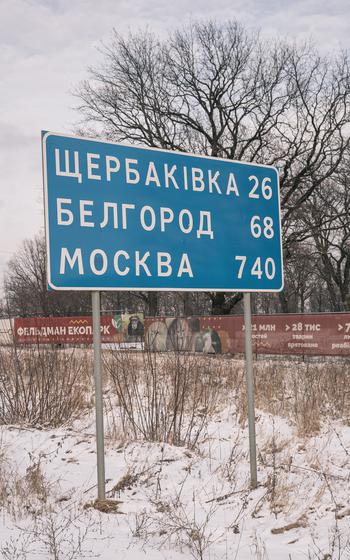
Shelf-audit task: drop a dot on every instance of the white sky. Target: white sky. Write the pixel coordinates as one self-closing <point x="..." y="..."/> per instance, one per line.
<point x="46" y="46"/>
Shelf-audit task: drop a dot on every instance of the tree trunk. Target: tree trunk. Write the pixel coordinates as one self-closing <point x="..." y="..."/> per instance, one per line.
<point x="152" y="304"/>
<point x="283" y="302"/>
<point x="187" y="304"/>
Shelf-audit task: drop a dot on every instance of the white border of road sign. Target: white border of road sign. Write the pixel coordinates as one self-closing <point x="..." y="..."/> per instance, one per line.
<point x="146" y="288"/>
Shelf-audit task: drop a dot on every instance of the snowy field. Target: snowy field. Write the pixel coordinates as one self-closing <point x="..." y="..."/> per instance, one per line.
<point x="191" y="500"/>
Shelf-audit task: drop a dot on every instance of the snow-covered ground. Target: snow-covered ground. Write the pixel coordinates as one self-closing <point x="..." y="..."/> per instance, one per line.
<point x="177" y="503"/>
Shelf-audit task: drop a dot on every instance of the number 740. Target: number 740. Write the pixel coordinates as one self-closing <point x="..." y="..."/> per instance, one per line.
<point x="259" y="268"/>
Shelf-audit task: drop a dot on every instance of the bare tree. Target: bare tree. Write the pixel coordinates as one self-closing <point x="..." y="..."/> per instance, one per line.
<point x="328" y="218"/>
<point x="301" y="278"/>
<point x="25" y="285"/>
<point x="218" y="90"/>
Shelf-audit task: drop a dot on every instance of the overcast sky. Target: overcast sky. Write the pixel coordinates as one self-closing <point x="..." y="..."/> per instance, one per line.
<point x="46" y="46"/>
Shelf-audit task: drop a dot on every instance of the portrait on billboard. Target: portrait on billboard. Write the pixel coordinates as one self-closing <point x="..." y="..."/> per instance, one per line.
<point x="130" y="325"/>
<point x="184" y="334"/>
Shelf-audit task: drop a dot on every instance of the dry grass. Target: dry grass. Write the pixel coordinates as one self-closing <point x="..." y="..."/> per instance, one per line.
<point x="171" y="396"/>
<point x="126" y="481"/>
<point x="167" y="397"/>
<point x="23" y="494"/>
<point x="301" y="522"/>
<point x="104" y="506"/>
<point x="42" y="386"/>
<point x="305" y="393"/>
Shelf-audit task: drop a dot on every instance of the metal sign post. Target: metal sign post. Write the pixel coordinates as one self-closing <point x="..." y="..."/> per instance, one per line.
<point x="96" y="329"/>
<point x="250" y="389"/>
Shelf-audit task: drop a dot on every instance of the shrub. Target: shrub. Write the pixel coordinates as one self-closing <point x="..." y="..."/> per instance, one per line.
<point x="42" y="386"/>
<point x="165" y="397"/>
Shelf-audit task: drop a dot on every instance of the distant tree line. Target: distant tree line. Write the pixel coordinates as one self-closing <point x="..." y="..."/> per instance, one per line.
<point x="217" y="89"/>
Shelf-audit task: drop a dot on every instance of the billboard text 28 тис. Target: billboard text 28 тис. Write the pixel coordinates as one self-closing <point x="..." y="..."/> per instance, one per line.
<point x="124" y="217"/>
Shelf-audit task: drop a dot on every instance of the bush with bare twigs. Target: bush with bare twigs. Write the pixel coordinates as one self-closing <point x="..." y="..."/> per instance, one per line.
<point x="42" y="386"/>
<point x="165" y="397"/>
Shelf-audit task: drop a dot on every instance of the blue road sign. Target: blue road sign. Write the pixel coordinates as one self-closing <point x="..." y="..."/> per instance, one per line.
<point x="131" y="218"/>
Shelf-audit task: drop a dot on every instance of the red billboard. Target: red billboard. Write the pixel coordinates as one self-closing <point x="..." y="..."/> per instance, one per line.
<point x="325" y="334"/>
